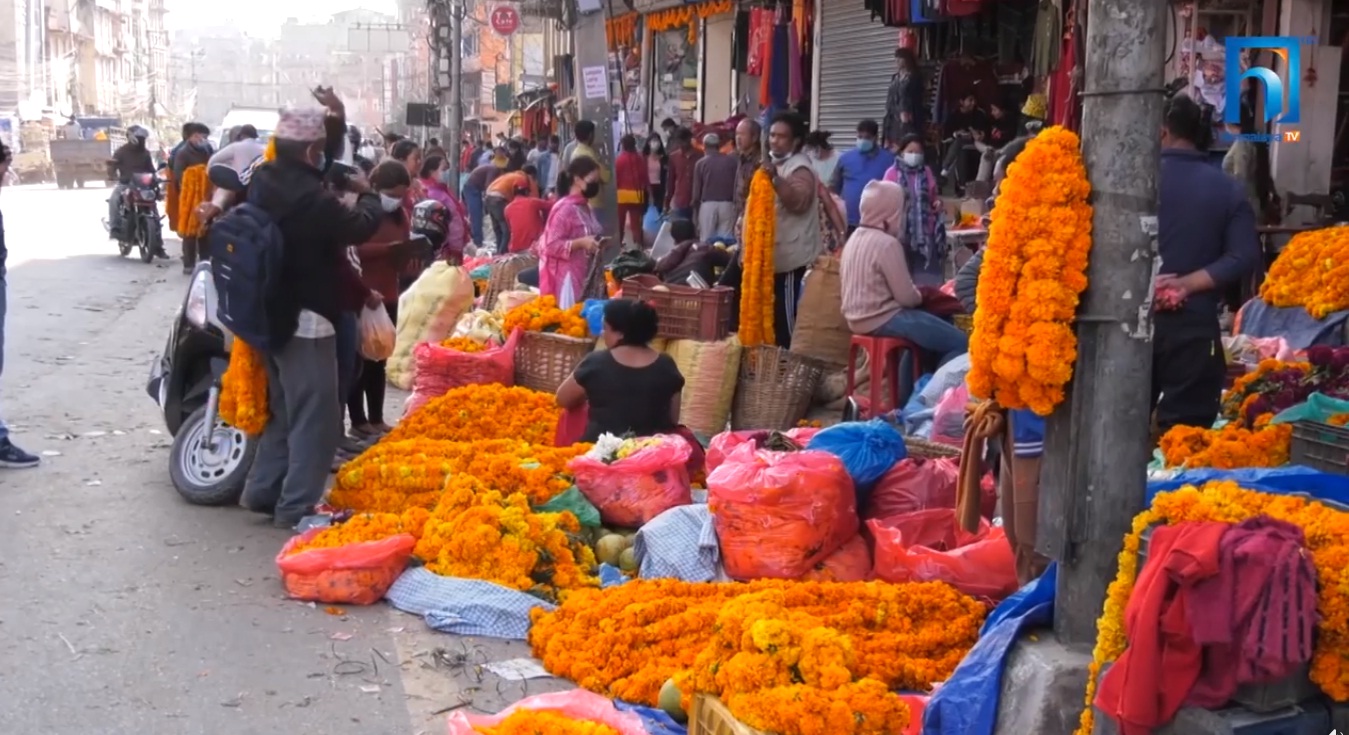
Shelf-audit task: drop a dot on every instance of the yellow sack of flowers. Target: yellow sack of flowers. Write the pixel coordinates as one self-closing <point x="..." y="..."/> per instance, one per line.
<point x="427" y="312"/>
<point x="710" y="371"/>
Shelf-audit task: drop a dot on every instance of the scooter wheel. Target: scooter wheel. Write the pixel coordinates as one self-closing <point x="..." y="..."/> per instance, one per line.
<point x="213" y="476"/>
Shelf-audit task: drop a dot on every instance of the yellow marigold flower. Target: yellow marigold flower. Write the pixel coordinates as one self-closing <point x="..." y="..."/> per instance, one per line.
<point x="243" y="390"/>
<point x="1228" y="448"/>
<point x="756" y="291"/>
<point x="545" y="722"/>
<point x="1311" y="272"/>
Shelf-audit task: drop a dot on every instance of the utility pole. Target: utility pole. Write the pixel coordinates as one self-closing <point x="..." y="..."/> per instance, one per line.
<point x="594" y="86"/>
<point x="1098" y="443"/>
<point x="455" y="108"/>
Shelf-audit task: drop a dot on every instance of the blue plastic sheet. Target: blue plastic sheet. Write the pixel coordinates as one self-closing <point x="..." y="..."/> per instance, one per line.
<point x="1288" y="480"/>
<point x="868" y="450"/>
<point x="967" y="704"/>
<point x="657" y="722"/>
<point x="593" y="312"/>
<point x="652" y="220"/>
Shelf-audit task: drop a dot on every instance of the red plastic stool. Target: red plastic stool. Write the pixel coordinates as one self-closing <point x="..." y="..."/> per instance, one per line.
<point x="884" y="355"/>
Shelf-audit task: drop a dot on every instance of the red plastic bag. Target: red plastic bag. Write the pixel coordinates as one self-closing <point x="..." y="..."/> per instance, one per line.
<point x="724" y="443"/>
<point x="639" y="487"/>
<point x="915" y="484"/>
<point x="577" y="704"/>
<point x="917" y="704"/>
<point x="929" y="546"/>
<point x="439" y="369"/>
<point x="851" y="563"/>
<point x="355" y="574"/>
<point x="571" y="425"/>
<point x="778" y="514"/>
<point x="948" y="418"/>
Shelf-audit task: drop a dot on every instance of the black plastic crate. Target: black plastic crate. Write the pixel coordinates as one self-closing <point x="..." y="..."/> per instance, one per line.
<point x="1320" y="446"/>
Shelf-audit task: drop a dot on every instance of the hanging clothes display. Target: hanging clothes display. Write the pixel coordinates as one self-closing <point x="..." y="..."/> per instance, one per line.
<point x="1048" y="37"/>
<point x="760" y="28"/>
<point x="1063" y="86"/>
<point x="856" y="62"/>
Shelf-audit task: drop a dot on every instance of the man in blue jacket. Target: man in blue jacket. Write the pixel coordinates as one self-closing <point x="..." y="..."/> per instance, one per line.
<point x="1207" y="242"/>
<point x="865" y="163"/>
<point x="11" y="457"/>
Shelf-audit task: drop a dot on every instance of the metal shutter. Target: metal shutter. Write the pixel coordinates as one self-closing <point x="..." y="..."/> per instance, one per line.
<point x="857" y="61"/>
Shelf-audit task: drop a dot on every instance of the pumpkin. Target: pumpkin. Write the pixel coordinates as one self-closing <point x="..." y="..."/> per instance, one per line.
<point x="609" y="548"/>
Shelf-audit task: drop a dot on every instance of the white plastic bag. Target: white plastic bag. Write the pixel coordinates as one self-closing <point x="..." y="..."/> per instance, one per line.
<point x="377" y="334"/>
<point x="566" y="297"/>
<point x="664" y="243"/>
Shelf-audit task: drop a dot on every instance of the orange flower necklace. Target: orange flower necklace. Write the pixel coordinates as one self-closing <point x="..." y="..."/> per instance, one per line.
<point x="756" y="290"/>
<point x="243" y="390"/>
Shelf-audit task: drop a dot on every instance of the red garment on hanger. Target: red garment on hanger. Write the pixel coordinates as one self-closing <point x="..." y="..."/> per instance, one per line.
<point x="959" y="8"/>
<point x="1064" y="106"/>
<point x="760" y="27"/>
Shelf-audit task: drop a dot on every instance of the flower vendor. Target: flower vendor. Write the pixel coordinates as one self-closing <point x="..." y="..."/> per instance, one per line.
<point x="629" y="387"/>
<point x="189" y="179"/>
<point x="1207" y="241"/>
<point x="796" y="213"/>
<point x="299" y="442"/>
<point x="924" y="234"/>
<point x="451" y="248"/>
<point x="879" y="297"/>
<point x="571" y="238"/>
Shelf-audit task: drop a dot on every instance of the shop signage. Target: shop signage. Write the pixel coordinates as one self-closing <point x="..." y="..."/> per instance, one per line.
<point x="1281" y="108"/>
<point x="505" y="20"/>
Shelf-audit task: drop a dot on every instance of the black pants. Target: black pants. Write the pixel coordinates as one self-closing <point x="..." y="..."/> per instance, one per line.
<point x="786" y="292"/>
<point x="368" y="389"/>
<point x="731" y="277"/>
<point x="496" y="211"/>
<point x="1188" y="369"/>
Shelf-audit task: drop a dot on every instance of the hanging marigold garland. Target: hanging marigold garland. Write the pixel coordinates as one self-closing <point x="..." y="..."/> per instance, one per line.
<point x="243" y="390"/>
<point x="1023" y="346"/>
<point x="685" y="16"/>
<point x="196" y="189"/>
<point x="621" y="30"/>
<point x="756" y="288"/>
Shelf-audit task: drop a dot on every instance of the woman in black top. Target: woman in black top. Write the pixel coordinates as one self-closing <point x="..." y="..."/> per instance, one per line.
<point x="631" y="388"/>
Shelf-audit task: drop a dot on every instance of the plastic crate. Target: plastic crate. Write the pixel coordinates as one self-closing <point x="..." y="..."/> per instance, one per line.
<point x="702" y="314"/>
<point x="1321" y="447"/>
<point x="711" y="717"/>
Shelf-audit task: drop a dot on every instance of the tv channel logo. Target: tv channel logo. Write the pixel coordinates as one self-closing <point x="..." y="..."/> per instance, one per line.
<point x="1279" y="107"/>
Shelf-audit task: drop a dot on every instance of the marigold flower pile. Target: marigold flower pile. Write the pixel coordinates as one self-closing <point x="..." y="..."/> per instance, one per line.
<point x="463" y="344"/>
<point x="545" y="722"/>
<point x="543" y="315"/>
<point x="756" y="298"/>
<point x="789" y="657"/>
<point x="1023" y="346"/>
<point x="1311" y="272"/>
<point x="482" y="412"/>
<point x="243" y="390"/>
<point x="1327" y="540"/>
<point x="1228" y="448"/>
<point x="365" y="527"/>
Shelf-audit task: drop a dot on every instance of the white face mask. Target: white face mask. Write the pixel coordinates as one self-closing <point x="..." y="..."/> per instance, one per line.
<point x="913" y="160"/>
<point x="390" y="204"/>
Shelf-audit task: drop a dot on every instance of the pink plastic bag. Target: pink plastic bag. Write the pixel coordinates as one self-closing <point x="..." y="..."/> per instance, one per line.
<point x="915" y="484"/>
<point x="355" y="574"/>
<point x="948" y="420"/>
<point x="929" y="546"/>
<point x="724" y="443"/>
<point x="639" y="487"/>
<point x="439" y="369"/>
<point x="577" y="704"/>
<point x="778" y="514"/>
<point x="571" y="425"/>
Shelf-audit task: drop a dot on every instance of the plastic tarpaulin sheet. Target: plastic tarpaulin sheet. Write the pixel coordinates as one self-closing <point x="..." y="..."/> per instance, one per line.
<point x="967" y="704"/>
<point x="657" y="722"/>
<point x="1289" y="480"/>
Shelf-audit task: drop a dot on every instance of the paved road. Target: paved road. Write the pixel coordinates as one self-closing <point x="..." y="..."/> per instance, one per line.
<point x="124" y="610"/>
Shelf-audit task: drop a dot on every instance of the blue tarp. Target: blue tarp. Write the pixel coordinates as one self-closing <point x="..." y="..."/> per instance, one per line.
<point x="1293" y="323"/>
<point x="967" y="704"/>
<point x="656" y="721"/>
<point x="1289" y="480"/>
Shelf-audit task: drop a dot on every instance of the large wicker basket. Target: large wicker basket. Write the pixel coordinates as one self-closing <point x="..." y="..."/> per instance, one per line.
<point x="543" y="361"/>
<point x="774" y="389"/>
<point x="504" y="275"/>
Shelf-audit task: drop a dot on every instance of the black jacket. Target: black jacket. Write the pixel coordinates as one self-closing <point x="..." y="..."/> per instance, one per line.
<point x="316" y="228"/>
<point x="132" y="158"/>
<point x="186" y="157"/>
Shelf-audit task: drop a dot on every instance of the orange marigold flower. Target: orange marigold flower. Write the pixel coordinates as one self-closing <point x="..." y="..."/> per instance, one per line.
<point x="243" y="390"/>
<point x="1312" y="272"/>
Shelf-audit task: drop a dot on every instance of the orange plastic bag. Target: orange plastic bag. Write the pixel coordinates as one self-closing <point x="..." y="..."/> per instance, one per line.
<point x="778" y="514"/>
<point x="356" y="574"/>
<point x="440" y="369"/>
<point x="577" y="704"/>
<point x="929" y="546"/>
<point x="914" y="484"/>
<point x="724" y="443"/>
<point x="851" y="563"/>
<point x="639" y="487"/>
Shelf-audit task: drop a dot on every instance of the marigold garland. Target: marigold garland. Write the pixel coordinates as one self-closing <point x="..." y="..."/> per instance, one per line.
<point x="196" y="188"/>
<point x="626" y="641"/>
<point x="545" y="722"/>
<point x="756" y="289"/>
<point x="1312" y="272"/>
<point x="686" y="15"/>
<point x="1229" y="448"/>
<point x="367" y="527"/>
<point x="1023" y="346"/>
<point x="621" y="30"/>
<point x="243" y="390"/>
<point x="1327" y="540"/>
<point x="543" y="315"/>
<point x="171" y="203"/>
<point x="487" y="411"/>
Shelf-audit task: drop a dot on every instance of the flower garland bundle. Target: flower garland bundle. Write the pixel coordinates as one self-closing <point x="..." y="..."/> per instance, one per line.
<point x="1327" y="540"/>
<point x="621" y="30"/>
<point x="478" y="533"/>
<point x="243" y="390"/>
<point x="542" y="315"/>
<point x="1271" y="387"/>
<point x="545" y="722"/>
<point x="756" y="289"/>
<point x="488" y="411"/>
<point x="684" y="16"/>
<point x="463" y="344"/>
<point x="1023" y="346"/>
<point x="1229" y="448"/>
<point x="196" y="188"/>
<point x="1312" y="272"/>
<point x="626" y="641"/>
<point x="367" y="527"/>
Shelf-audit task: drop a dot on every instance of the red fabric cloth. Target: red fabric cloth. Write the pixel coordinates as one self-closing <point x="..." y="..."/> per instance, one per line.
<point x="938" y="302"/>
<point x="379" y="269"/>
<point x="1064" y="108"/>
<point x="525" y="216"/>
<point x="1152" y="679"/>
<point x="630" y="172"/>
<point x="679" y="193"/>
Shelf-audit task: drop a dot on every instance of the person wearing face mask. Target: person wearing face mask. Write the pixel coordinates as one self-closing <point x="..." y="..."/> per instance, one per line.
<point x="572" y="236"/>
<point x="657" y="168"/>
<point x="296" y="450"/>
<point x="924" y="234"/>
<point x="865" y="163"/>
<point x="195" y="151"/>
<point x="797" y="212"/>
<point x="879" y="296"/>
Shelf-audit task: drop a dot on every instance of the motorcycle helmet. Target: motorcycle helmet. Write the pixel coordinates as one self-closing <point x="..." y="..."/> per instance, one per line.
<point x="137" y="132"/>
<point x="431" y="219"/>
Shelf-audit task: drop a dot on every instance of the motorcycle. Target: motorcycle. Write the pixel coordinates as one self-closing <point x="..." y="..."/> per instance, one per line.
<point x="210" y="459"/>
<point x="141" y="225"/>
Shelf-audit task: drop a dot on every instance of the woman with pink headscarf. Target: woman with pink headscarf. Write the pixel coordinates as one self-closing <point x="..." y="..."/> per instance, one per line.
<point x="456" y="235"/>
<point x="571" y="238"/>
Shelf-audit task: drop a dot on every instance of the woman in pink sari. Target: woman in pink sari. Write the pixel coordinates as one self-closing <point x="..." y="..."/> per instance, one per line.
<point x="571" y="238"/>
<point x="456" y="236"/>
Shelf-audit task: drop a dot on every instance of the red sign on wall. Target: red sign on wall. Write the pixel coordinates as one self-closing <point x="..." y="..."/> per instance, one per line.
<point x="505" y="20"/>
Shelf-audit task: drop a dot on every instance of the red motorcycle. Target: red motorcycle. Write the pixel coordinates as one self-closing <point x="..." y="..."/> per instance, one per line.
<point x="142" y="226"/>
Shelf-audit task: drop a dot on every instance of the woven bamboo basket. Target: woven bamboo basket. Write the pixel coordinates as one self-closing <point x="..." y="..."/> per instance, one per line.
<point x="774" y="389"/>
<point x="923" y="448"/>
<point x="503" y="278"/>
<point x="543" y="361"/>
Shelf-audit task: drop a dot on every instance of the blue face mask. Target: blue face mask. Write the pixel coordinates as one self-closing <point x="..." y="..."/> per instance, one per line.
<point x="866" y="145"/>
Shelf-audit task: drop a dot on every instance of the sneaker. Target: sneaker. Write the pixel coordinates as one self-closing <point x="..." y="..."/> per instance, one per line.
<point x="11" y="457"/>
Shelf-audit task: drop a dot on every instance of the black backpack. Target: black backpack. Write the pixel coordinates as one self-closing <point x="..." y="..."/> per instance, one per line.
<point x="247" y="250"/>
